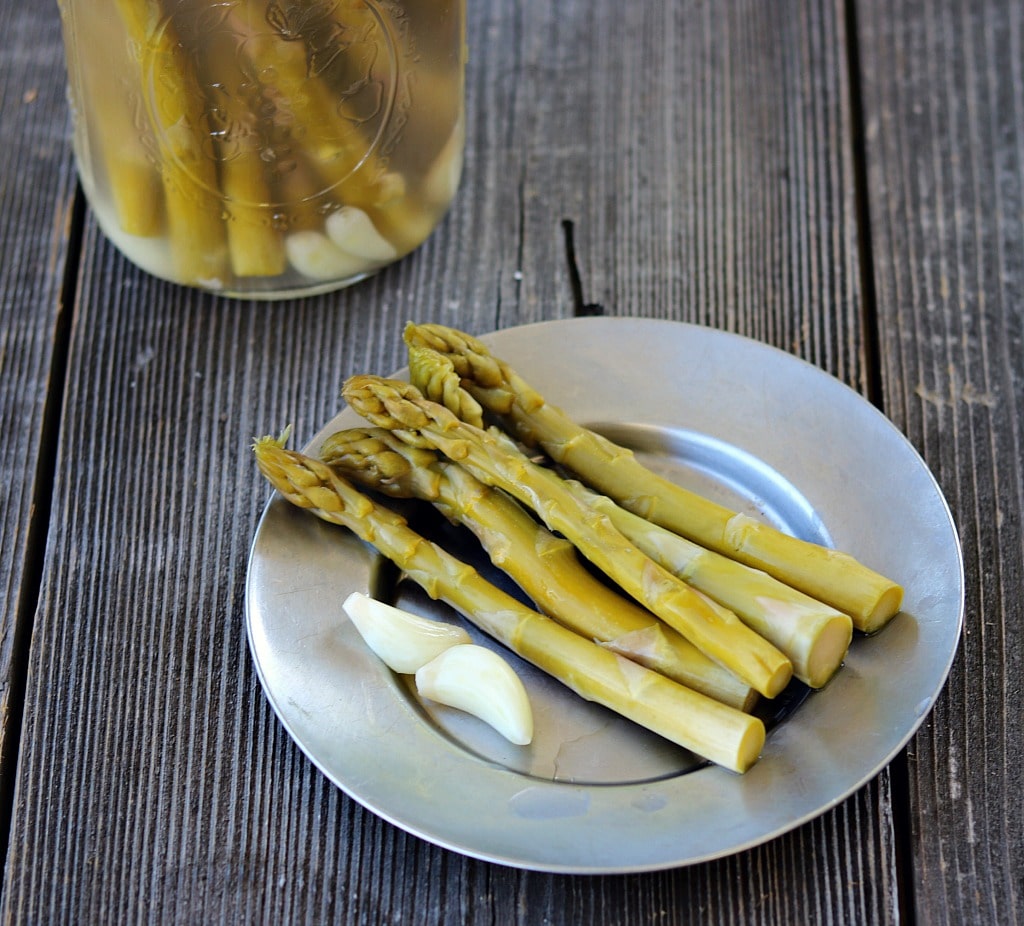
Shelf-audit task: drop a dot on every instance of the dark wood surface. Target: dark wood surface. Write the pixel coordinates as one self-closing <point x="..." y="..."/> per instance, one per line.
<point x="943" y="98"/>
<point x="844" y="181"/>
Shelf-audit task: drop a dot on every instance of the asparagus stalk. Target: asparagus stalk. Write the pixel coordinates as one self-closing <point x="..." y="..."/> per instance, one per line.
<point x="716" y="631"/>
<point x="255" y="246"/>
<point x="815" y="636"/>
<point x="545" y="567"/>
<point x="707" y="727"/>
<point x="304" y="104"/>
<point x="179" y="124"/>
<point x="427" y="97"/>
<point x="307" y="109"/>
<point x="339" y="163"/>
<point x="835" y="578"/>
<point x="133" y="180"/>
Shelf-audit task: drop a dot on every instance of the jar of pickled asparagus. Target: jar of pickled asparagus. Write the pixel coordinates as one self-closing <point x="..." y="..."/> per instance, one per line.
<point x="266" y="148"/>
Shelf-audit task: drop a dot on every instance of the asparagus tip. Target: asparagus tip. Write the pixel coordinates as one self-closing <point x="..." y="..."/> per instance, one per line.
<point x="261" y="444"/>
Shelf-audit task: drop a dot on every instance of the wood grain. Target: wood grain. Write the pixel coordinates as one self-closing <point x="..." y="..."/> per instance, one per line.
<point x="36" y="189"/>
<point x="705" y="161"/>
<point x="944" y="106"/>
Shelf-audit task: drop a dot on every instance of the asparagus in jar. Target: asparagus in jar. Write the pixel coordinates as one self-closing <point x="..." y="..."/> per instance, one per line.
<point x="179" y="123"/>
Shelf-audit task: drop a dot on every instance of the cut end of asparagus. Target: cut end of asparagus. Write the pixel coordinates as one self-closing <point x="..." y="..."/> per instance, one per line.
<point x="824" y="658"/>
<point x="828" y="575"/>
<point x="777" y="676"/>
<point x="886" y="607"/>
<point x="750" y="747"/>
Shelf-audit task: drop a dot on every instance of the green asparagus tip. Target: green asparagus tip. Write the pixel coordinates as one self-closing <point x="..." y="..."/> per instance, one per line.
<point x="261" y="443"/>
<point x="434" y="374"/>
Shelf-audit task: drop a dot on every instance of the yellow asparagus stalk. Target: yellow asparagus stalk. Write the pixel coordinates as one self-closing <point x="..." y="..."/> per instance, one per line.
<point x="255" y="245"/>
<point x="304" y="104"/>
<point x="827" y="575"/>
<point x="132" y="177"/>
<point x="545" y="567"/>
<point x="195" y="227"/>
<point x="814" y="636"/>
<point x="310" y="113"/>
<point x="340" y="165"/>
<point x="716" y="631"/>
<point x="707" y="727"/>
<point x="134" y="182"/>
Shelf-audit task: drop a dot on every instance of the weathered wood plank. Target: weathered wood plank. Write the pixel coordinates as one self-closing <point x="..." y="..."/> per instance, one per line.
<point x="704" y="158"/>
<point x="944" y="105"/>
<point x="36" y="195"/>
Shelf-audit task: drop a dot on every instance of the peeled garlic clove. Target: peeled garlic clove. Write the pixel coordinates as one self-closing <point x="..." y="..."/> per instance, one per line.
<point x="443" y="177"/>
<point x="478" y="681"/>
<point x="404" y="641"/>
<point x="315" y="256"/>
<point x="353" y="231"/>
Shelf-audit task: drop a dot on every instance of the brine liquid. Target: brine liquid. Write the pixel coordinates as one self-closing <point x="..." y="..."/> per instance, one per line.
<point x="266" y="148"/>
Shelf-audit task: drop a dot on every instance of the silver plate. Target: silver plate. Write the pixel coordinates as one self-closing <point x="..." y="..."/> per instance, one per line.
<point x="758" y="429"/>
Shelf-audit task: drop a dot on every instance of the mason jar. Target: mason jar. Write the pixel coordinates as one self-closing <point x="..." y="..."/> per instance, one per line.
<point x="266" y="148"/>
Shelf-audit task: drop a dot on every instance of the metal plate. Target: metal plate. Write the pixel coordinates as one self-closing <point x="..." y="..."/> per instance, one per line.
<point x="757" y="429"/>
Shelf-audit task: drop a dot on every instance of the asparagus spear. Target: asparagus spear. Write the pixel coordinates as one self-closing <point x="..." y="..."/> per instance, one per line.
<point x="133" y="180"/>
<point x="189" y="177"/>
<point x="716" y="631"/>
<point x="709" y="728"/>
<point x="337" y="154"/>
<point x="826" y="575"/>
<point x="545" y="567"/>
<point x="255" y="246"/>
<point x="815" y="636"/>
<point x="281" y="64"/>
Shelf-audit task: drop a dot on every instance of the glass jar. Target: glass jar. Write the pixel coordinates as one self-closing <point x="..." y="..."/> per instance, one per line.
<point x="266" y="148"/>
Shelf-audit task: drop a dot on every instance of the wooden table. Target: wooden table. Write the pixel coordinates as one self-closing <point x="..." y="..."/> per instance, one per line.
<point x="843" y="181"/>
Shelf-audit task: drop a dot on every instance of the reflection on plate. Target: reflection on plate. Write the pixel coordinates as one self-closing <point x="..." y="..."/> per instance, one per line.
<point x="752" y="427"/>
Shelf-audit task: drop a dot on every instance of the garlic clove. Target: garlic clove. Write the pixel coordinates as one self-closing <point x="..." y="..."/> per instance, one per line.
<point x="442" y="179"/>
<point x="353" y="231"/>
<point x="315" y="256"/>
<point x="478" y="681"/>
<point x="404" y="641"/>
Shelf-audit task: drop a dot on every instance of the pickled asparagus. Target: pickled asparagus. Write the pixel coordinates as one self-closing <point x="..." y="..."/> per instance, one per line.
<point x="111" y="115"/>
<point x="255" y="246"/>
<point x="715" y="630"/>
<point x="179" y="124"/>
<point x="835" y="578"/>
<point x="707" y="727"/>
<point x="815" y="636"/>
<point x="544" y="566"/>
<point x="209" y="136"/>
